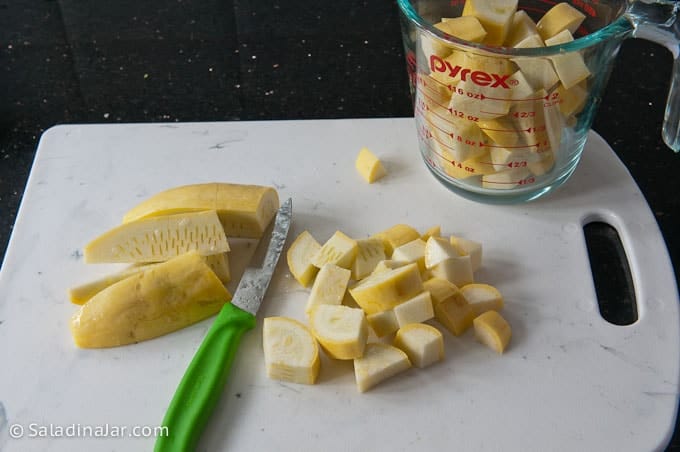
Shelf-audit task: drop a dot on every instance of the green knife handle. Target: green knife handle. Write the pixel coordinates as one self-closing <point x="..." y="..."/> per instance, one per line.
<point x="203" y="381"/>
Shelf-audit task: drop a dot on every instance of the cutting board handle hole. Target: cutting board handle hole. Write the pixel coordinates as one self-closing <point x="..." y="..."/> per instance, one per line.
<point x="611" y="273"/>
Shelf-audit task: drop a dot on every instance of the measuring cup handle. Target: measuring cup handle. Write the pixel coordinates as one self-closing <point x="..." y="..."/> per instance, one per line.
<point x="671" y="121"/>
<point x="658" y="21"/>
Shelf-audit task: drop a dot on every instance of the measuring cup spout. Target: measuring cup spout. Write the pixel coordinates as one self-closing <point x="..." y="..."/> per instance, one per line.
<point x="658" y="21"/>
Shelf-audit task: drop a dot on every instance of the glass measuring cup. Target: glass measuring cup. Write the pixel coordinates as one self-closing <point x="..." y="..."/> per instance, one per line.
<point x="504" y="124"/>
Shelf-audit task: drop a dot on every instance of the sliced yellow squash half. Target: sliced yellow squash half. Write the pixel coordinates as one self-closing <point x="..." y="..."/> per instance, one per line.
<point x="157" y="301"/>
<point x="244" y="210"/>
<point x="158" y="239"/>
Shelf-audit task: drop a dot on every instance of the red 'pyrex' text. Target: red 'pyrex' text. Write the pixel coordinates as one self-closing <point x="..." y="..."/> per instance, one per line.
<point x="480" y="78"/>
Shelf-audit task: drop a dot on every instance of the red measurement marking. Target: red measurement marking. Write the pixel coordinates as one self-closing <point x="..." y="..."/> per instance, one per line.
<point x="536" y="129"/>
<point x="493" y="113"/>
<point x="434" y="151"/>
<point x="455" y="113"/>
<point x="452" y="162"/>
<point x="422" y="79"/>
<point x="526" y="181"/>
<point x="429" y="136"/>
<point x="498" y="130"/>
<point x="439" y="128"/>
<point x="481" y="145"/>
<point x="437" y="115"/>
<point x="434" y="101"/>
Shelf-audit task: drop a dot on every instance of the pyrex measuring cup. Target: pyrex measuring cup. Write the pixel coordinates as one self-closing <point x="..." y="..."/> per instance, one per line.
<point x="508" y="122"/>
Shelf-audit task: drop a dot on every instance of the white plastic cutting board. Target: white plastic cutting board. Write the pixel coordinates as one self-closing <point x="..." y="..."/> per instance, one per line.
<point x="569" y="381"/>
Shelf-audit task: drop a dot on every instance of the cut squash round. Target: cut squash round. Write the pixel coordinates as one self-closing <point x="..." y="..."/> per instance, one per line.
<point x="291" y="352"/>
<point x="424" y="344"/>
<point x="384" y="290"/>
<point x="340" y="250"/>
<point x="342" y="331"/>
<point x="415" y="310"/>
<point x="370" y="252"/>
<point x="492" y="330"/>
<point x="482" y="297"/>
<point x="329" y="287"/>
<point x="383" y="323"/>
<point x="369" y="166"/>
<point x="299" y="258"/>
<point x="396" y="236"/>
<point x="379" y="362"/>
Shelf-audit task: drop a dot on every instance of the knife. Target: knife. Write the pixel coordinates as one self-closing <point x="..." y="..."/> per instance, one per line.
<point x="202" y="384"/>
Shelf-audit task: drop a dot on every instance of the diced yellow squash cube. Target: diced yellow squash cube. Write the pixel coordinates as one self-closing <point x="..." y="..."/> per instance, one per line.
<point x="431" y="45"/>
<point x="342" y="331"/>
<point x="539" y="72"/>
<point x="522" y="88"/>
<point x="369" y="166"/>
<point x="243" y="210"/>
<point x="492" y="330"/>
<point x="379" y="362"/>
<point x="396" y="236"/>
<point x="299" y="257"/>
<point x="458" y="270"/>
<point x="159" y="300"/>
<point x="468" y="28"/>
<point x="560" y="17"/>
<point x="160" y="238"/>
<point x="456" y="138"/>
<point x="348" y="301"/>
<point x="455" y="313"/>
<point x="542" y="130"/>
<point x="572" y="100"/>
<point x="494" y="15"/>
<point x="413" y="251"/>
<point x="440" y="289"/>
<point x="501" y="130"/>
<point x="382" y="291"/>
<point x="415" y="310"/>
<point x="522" y="26"/>
<point x="467" y="247"/>
<point x="291" y="353"/>
<point x="370" y="252"/>
<point x="329" y="286"/>
<point x="482" y="297"/>
<point x="388" y="264"/>
<point x="530" y="42"/>
<point x="542" y="166"/>
<point x="218" y="263"/>
<point x="434" y="231"/>
<point x="340" y="250"/>
<point x="570" y="67"/>
<point x="438" y="249"/>
<point x="422" y="343"/>
<point x="383" y="323"/>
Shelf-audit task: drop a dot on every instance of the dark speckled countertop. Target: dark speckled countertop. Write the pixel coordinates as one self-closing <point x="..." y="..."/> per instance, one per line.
<point x="82" y="61"/>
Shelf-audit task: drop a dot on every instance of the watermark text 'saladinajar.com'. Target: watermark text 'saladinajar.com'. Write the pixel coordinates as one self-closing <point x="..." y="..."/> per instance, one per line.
<point x="36" y="430"/>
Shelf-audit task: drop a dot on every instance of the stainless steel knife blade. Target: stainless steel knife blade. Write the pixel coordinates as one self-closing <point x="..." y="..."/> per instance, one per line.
<point x="256" y="277"/>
